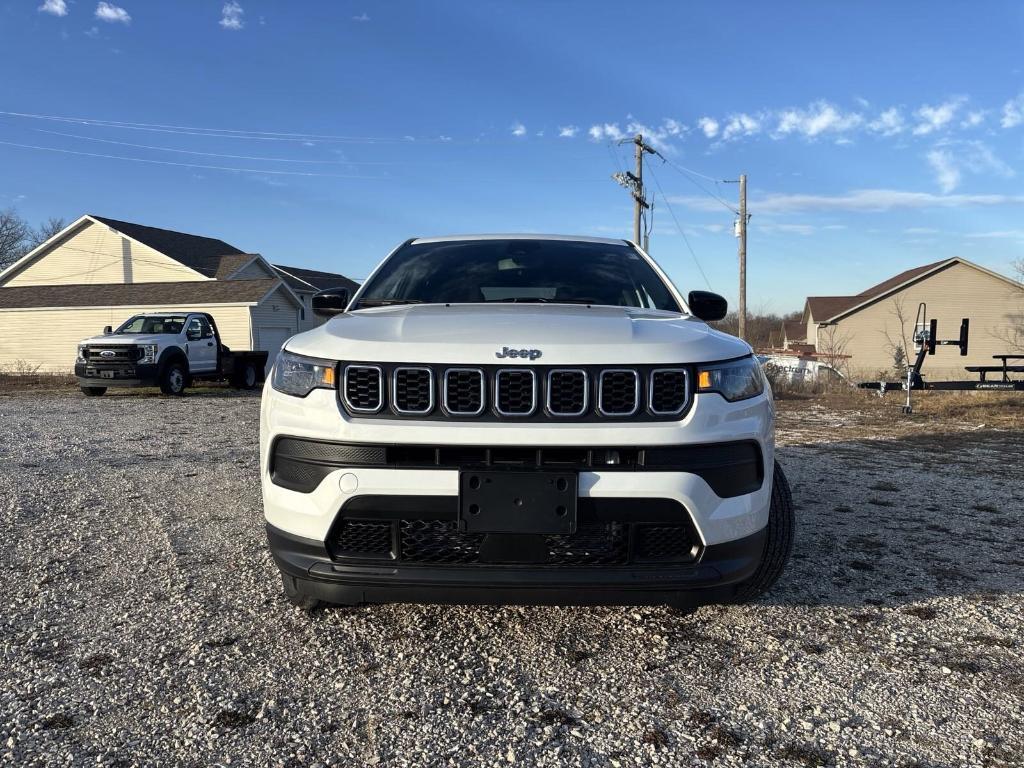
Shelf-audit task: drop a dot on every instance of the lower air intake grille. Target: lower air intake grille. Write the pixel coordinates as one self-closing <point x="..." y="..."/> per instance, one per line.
<point x="619" y="393"/>
<point x="668" y="391"/>
<point x="364" y="538"/>
<point x="567" y="392"/>
<point x="664" y="543"/>
<point x="413" y="391"/>
<point x="515" y="392"/>
<point x="363" y="388"/>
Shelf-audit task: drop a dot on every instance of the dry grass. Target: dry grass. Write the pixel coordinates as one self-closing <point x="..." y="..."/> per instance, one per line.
<point x="36" y="383"/>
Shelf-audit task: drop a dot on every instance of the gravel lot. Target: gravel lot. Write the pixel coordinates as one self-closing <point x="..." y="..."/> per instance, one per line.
<point x="142" y="621"/>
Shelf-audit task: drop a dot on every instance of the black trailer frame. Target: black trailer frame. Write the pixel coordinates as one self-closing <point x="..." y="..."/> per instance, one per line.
<point x="925" y="342"/>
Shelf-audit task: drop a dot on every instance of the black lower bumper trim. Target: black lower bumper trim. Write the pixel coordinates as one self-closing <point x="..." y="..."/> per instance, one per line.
<point x="709" y="580"/>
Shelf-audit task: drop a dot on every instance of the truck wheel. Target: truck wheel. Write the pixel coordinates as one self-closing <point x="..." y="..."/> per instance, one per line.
<point x="778" y="542"/>
<point x="246" y="378"/>
<point x="297" y="597"/>
<point x="172" y="381"/>
<point x="93" y="391"/>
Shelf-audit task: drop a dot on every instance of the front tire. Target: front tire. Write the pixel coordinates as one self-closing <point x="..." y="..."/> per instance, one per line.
<point x="93" y="391"/>
<point x="173" y="379"/>
<point x="778" y="542"/>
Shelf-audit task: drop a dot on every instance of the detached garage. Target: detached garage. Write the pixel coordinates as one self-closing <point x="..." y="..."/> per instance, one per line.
<point x="100" y="272"/>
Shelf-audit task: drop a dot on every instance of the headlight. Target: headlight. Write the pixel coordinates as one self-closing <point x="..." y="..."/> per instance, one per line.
<point x="734" y="380"/>
<point x="297" y="375"/>
<point x="148" y="353"/>
<point x="81" y="353"/>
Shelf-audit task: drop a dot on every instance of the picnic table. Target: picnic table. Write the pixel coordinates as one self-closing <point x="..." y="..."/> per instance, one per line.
<point x="1005" y="369"/>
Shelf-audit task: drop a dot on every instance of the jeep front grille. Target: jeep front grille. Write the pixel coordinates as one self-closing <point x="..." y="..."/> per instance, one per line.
<point x="522" y="394"/>
<point x="515" y="391"/>
<point x="413" y="390"/>
<point x="363" y="388"/>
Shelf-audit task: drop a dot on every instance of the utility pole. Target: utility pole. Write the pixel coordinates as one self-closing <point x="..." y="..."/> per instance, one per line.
<point x="741" y="233"/>
<point x="634" y="182"/>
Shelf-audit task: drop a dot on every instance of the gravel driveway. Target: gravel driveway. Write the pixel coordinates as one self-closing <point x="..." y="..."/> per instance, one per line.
<point x="142" y="621"/>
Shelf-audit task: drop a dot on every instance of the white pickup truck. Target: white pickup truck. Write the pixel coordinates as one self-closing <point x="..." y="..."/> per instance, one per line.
<point x="525" y="419"/>
<point x="166" y="349"/>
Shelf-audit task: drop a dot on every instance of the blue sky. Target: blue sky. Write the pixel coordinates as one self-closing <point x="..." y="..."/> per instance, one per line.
<point x="876" y="136"/>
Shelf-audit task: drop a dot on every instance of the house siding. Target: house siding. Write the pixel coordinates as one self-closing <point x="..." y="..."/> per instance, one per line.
<point x="254" y="271"/>
<point x="48" y="338"/>
<point x="277" y="310"/>
<point x="96" y="254"/>
<point x="953" y="293"/>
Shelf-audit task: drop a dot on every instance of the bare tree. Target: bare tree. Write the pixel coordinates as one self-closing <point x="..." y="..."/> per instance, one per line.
<point x="899" y="344"/>
<point x="832" y="346"/>
<point x="1012" y="334"/>
<point x="45" y="231"/>
<point x="14" y="237"/>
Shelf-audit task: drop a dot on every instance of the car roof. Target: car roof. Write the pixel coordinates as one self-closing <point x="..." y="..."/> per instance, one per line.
<point x="521" y="236"/>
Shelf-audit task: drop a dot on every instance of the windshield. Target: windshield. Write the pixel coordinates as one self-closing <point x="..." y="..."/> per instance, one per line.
<point x="153" y="324"/>
<point x="518" y="271"/>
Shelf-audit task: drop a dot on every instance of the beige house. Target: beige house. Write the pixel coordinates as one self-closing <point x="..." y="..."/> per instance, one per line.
<point x="99" y="271"/>
<point x="861" y="334"/>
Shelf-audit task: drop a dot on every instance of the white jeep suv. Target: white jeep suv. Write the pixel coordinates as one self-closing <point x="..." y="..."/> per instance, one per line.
<point x="521" y="419"/>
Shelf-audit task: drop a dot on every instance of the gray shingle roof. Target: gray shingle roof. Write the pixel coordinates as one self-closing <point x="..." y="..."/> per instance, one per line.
<point x="199" y="253"/>
<point x="312" y="277"/>
<point x="192" y="293"/>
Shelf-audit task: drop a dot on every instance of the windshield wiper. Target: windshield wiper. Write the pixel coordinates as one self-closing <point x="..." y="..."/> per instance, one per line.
<point x="521" y="300"/>
<point x="386" y="302"/>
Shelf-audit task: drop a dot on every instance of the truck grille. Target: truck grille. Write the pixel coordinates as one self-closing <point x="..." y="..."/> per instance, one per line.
<point x="123" y="353"/>
<point x="528" y="394"/>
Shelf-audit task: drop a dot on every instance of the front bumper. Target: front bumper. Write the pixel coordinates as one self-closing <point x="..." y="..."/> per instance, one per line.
<point x="710" y="579"/>
<point x="94" y="374"/>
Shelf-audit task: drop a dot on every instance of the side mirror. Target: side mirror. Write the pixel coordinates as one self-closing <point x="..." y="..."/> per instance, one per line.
<point x="707" y="306"/>
<point x="107" y="330"/>
<point x="330" y="302"/>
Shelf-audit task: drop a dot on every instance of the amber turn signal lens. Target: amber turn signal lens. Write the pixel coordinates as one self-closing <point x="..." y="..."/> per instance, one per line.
<point x="704" y="380"/>
<point x="329" y="377"/>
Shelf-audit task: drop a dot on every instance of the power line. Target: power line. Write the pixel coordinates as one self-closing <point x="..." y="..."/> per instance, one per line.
<point x="679" y="227"/>
<point x="686" y="174"/>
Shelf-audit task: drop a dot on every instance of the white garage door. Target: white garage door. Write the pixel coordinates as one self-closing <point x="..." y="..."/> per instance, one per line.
<point x="272" y="339"/>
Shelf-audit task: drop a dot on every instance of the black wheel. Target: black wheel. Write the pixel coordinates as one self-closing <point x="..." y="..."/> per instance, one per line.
<point x="94" y="391"/>
<point x="246" y="378"/>
<point x="297" y="597"/>
<point x="173" y="379"/>
<point x="778" y="542"/>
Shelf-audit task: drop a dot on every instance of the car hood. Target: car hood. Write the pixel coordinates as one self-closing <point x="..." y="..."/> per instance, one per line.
<point x="116" y="339"/>
<point x="477" y="334"/>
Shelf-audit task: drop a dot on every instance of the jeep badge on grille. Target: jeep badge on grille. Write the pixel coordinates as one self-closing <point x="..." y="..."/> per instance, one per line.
<point x="532" y="354"/>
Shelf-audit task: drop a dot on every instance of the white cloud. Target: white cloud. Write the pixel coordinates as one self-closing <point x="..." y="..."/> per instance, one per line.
<point x="859" y="200"/>
<point x="820" y="117"/>
<point x="92" y="32"/>
<point x="834" y="227"/>
<point x="804" y="230"/>
<point x="740" y="125"/>
<point x="920" y="231"/>
<point x="673" y="127"/>
<point x="609" y="131"/>
<point x="568" y="131"/>
<point x="950" y="159"/>
<point x="54" y="7"/>
<point x="888" y="123"/>
<point x="361" y="17"/>
<point x="1013" y="112"/>
<point x="231" y="16"/>
<point x="1015" y="234"/>
<point x="935" y="118"/>
<point x="518" y="129"/>
<point x="112" y="13"/>
<point x="973" y="119"/>
<point x="947" y="173"/>
<point x="709" y="126"/>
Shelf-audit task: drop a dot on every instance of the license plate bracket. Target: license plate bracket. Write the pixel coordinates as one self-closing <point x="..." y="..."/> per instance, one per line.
<point x="106" y="374"/>
<point x="518" y="502"/>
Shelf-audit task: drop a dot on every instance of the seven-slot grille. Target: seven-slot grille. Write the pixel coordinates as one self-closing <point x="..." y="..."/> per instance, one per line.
<point x="515" y="391"/>
<point x="413" y="390"/>
<point x="363" y="388"/>
<point x="619" y="392"/>
<point x="496" y="393"/>
<point x="113" y="354"/>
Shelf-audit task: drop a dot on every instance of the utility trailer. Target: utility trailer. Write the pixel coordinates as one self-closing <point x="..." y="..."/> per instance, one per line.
<point x="925" y="343"/>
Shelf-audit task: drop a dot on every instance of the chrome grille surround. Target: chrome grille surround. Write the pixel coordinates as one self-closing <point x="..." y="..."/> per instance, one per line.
<point x="586" y="391"/>
<point x="345" y="394"/>
<point x="652" y="394"/>
<point x="396" y="389"/>
<point x="601" y="395"/>
<point x="506" y="373"/>
<point x="446" y="391"/>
